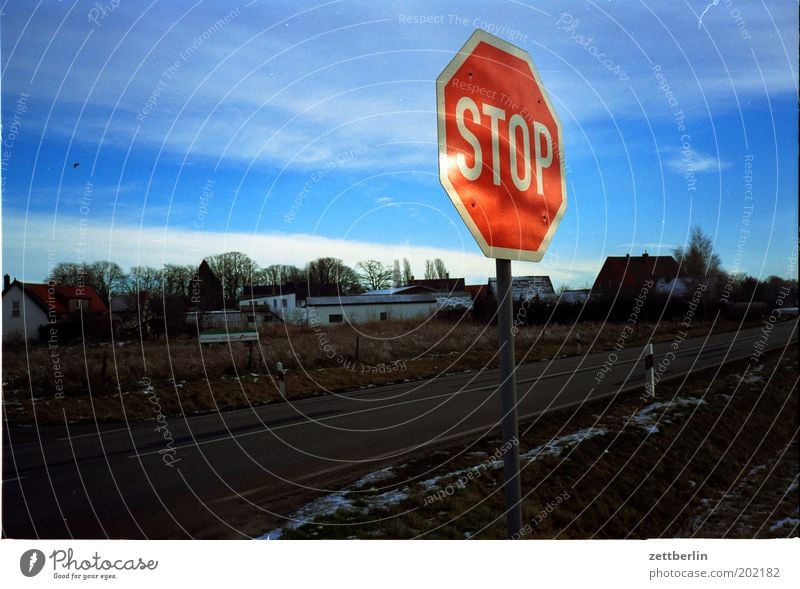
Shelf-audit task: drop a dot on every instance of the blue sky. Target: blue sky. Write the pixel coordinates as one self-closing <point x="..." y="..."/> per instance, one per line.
<point x="293" y="130"/>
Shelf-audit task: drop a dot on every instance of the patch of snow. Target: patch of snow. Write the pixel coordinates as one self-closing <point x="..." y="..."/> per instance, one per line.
<point x="389" y="498"/>
<point x="374" y="477"/>
<point x="557" y="445"/>
<point x="787" y="521"/>
<point x="647" y="417"/>
<point x="330" y="504"/>
<point x="792" y="487"/>
<point x="273" y="535"/>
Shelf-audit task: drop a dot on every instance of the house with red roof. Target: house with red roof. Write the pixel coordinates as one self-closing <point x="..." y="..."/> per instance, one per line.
<point x="621" y="277"/>
<point x="27" y="306"/>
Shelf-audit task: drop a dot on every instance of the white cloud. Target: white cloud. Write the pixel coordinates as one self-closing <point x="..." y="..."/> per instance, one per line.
<point x="26" y="245"/>
<point x="696" y="161"/>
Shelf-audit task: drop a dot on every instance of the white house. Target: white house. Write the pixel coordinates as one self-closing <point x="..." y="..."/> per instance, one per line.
<point x="366" y="308"/>
<point x="258" y="310"/>
<point x="27" y="306"/>
<point x="22" y="314"/>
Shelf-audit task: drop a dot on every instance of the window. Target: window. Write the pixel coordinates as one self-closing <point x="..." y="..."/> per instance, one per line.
<point x="251" y="318"/>
<point x="274" y="303"/>
<point x="78" y="304"/>
<point x="15" y="309"/>
<point x="285" y="303"/>
<point x="337" y="318"/>
<point x="384" y="315"/>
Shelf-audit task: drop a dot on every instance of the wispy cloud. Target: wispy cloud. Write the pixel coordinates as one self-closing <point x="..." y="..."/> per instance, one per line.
<point x="28" y="242"/>
<point x="695" y="161"/>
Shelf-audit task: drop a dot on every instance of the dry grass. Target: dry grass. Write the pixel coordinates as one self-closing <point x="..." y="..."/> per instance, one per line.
<point x="726" y="467"/>
<point x="189" y="377"/>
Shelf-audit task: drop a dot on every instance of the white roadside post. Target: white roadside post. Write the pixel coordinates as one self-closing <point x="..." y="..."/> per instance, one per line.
<point x="650" y="376"/>
<point x="281" y="379"/>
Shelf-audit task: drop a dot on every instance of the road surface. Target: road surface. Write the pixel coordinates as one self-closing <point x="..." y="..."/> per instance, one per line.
<point x="234" y="474"/>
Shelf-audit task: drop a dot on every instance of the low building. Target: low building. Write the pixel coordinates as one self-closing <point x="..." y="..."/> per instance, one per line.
<point x="527" y="288"/>
<point x="29" y="306"/>
<point x="366" y="308"/>
<point x="275" y="307"/>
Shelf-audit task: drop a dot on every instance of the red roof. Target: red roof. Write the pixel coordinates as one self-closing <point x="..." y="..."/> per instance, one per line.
<point x="58" y="296"/>
<point x="477" y="290"/>
<point x="627" y="272"/>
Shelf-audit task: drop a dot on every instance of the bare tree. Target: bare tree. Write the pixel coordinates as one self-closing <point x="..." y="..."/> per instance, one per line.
<point x="407" y="276"/>
<point x="697" y="258"/>
<point x="234" y="269"/>
<point x="107" y="279"/>
<point x="435" y="269"/>
<point x="430" y="271"/>
<point x="374" y="275"/>
<point x="68" y="273"/>
<point x="440" y="268"/>
<point x="145" y="279"/>
<point x="329" y="276"/>
<point x="277" y="274"/>
<point x="176" y="280"/>
<point x="397" y="277"/>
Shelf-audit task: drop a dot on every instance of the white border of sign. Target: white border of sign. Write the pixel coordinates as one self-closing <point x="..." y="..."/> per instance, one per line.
<point x="448" y="72"/>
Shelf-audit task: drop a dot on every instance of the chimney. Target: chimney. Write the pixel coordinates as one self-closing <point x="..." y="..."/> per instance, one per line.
<point x="6" y="281"/>
<point x="645" y="254"/>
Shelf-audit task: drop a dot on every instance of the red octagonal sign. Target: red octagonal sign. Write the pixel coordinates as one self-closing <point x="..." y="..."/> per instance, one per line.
<point x="500" y="149"/>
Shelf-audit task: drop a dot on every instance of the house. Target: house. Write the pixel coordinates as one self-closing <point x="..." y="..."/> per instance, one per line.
<point x="27" y="306"/>
<point x="298" y="289"/>
<point x="264" y="309"/>
<point x="624" y="276"/>
<point x="527" y="288"/>
<point x="366" y="308"/>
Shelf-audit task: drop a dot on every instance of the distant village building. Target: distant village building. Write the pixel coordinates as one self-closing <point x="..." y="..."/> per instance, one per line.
<point x="369" y="307"/>
<point x="574" y="296"/>
<point x="439" y="284"/>
<point x="29" y="306"/>
<point x="446" y="299"/>
<point x="527" y="288"/>
<point x="205" y="291"/>
<point x="266" y="309"/>
<point x="624" y="276"/>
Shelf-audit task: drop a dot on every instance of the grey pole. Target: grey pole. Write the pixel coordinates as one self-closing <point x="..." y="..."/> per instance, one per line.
<point x="508" y="398"/>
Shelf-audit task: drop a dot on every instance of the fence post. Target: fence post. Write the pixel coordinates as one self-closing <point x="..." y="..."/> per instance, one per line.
<point x="650" y="376"/>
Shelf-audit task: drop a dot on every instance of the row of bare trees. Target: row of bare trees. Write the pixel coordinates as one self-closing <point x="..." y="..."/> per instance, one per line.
<point x="235" y="270"/>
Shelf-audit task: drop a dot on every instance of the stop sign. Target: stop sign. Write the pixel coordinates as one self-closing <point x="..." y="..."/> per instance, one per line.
<point x="500" y="149"/>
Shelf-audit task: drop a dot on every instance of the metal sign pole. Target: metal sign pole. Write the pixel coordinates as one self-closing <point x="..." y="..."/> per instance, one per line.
<point x="508" y="397"/>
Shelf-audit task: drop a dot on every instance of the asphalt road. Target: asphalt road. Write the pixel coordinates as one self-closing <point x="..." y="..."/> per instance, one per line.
<point x="234" y="474"/>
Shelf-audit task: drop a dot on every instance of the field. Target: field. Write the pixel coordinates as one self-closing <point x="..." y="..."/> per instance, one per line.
<point x="104" y="381"/>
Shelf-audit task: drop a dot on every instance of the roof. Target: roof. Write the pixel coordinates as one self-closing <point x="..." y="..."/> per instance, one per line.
<point x="58" y="296"/>
<point x="477" y="290"/>
<point x="526" y="286"/>
<point x="439" y="284"/>
<point x="396" y="290"/>
<point x="369" y="300"/>
<point x="621" y="272"/>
